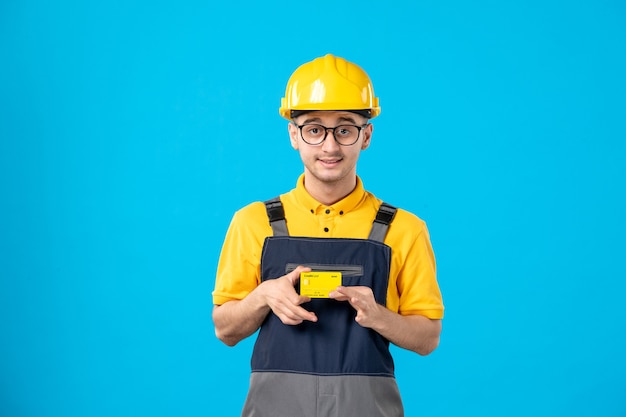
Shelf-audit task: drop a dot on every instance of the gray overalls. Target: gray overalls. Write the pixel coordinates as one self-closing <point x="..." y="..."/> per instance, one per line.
<point x="333" y="367"/>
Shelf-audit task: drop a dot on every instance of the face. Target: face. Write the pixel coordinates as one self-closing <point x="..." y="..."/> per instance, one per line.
<point x="330" y="163"/>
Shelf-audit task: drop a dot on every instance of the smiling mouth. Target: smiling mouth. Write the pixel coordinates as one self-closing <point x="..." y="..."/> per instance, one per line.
<point x="330" y="161"/>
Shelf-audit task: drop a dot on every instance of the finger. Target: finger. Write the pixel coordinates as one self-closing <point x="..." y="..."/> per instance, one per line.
<point x="337" y="295"/>
<point x="292" y="307"/>
<point x="306" y="315"/>
<point x="347" y="291"/>
<point x="354" y="295"/>
<point x="294" y="275"/>
<point x="297" y="316"/>
<point x="302" y="299"/>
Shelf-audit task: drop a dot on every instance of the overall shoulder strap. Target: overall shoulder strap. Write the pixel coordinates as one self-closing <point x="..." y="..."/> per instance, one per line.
<point x="383" y="219"/>
<point x="276" y="215"/>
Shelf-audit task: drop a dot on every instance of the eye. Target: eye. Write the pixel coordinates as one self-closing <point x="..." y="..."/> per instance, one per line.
<point x="313" y="130"/>
<point x="344" y="130"/>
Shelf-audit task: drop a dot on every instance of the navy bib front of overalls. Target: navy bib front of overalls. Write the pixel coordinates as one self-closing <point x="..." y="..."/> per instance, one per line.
<point x="335" y="344"/>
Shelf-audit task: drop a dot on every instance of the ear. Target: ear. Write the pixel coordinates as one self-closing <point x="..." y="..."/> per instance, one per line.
<point x="293" y="135"/>
<point x="367" y="136"/>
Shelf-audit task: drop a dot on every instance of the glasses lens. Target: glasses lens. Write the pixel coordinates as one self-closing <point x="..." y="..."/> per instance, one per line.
<point x="313" y="134"/>
<point x="346" y="135"/>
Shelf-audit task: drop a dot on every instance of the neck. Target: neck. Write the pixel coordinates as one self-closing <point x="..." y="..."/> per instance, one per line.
<point x="328" y="193"/>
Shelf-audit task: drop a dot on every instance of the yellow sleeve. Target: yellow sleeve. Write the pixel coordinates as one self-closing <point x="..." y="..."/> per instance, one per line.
<point x="238" y="270"/>
<point x="416" y="281"/>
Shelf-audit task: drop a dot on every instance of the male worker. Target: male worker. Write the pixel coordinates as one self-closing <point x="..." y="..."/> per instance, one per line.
<point x="324" y="351"/>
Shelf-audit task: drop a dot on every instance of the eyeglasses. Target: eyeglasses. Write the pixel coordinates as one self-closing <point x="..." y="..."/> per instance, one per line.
<point x="344" y="135"/>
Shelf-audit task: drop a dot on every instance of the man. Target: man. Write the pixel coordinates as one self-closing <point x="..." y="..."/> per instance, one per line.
<point x="327" y="353"/>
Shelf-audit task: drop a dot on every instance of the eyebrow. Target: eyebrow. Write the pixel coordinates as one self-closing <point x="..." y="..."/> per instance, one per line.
<point x="341" y="119"/>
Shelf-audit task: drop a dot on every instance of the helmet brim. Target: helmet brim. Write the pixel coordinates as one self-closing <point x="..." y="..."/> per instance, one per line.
<point x="367" y="113"/>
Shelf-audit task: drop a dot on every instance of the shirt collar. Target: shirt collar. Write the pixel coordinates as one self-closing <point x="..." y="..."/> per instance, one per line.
<point x="348" y="203"/>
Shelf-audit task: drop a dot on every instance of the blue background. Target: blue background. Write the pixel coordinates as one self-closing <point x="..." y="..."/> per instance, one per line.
<point x="131" y="131"/>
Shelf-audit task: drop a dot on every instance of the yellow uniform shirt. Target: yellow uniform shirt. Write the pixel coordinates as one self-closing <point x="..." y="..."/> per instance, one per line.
<point x="413" y="287"/>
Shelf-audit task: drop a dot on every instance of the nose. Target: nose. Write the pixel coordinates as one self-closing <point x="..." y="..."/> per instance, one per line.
<point x="330" y="143"/>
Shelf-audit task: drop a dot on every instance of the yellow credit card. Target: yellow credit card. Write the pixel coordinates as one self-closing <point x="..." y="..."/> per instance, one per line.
<point x="319" y="284"/>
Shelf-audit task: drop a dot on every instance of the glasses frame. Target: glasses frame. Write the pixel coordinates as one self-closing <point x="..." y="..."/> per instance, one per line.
<point x="326" y="129"/>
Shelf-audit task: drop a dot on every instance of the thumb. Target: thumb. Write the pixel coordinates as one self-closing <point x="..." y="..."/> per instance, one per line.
<point x="294" y="275"/>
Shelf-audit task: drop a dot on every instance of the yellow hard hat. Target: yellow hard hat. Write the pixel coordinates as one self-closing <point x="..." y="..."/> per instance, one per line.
<point x="329" y="83"/>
